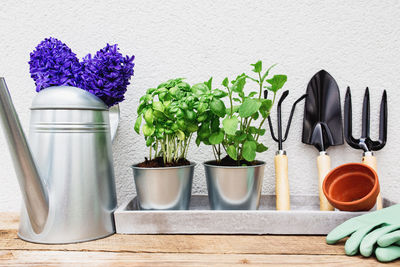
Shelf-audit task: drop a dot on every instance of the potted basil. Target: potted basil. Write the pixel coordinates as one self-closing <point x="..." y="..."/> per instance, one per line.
<point x="167" y="116"/>
<point x="234" y="181"/>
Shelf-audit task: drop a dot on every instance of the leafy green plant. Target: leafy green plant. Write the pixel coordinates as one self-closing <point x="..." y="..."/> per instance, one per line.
<point x="243" y="120"/>
<point x="170" y="118"/>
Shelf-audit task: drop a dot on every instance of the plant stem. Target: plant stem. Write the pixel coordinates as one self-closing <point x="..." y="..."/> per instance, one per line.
<point x="261" y="84"/>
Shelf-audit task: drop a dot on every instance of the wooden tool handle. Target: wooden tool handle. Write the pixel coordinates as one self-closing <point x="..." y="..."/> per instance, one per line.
<point x="282" y="182"/>
<point x="370" y="160"/>
<point x="324" y="166"/>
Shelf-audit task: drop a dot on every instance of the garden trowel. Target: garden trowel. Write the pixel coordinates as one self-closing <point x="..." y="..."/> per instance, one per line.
<point x="322" y="123"/>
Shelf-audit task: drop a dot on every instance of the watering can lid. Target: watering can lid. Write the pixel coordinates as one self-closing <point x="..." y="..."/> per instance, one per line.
<point x="67" y="97"/>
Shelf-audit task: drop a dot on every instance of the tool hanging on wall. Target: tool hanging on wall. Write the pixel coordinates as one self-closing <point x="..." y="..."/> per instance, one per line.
<point x="364" y="142"/>
<point x="281" y="160"/>
<point x="322" y="123"/>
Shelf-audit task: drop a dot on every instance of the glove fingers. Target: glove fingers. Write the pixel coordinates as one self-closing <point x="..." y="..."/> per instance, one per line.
<point x="389" y="239"/>
<point x="353" y="243"/>
<point x="387" y="254"/>
<point x="343" y="230"/>
<point x="368" y="242"/>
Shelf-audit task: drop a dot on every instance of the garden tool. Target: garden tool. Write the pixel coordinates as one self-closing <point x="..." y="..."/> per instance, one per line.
<point x="365" y="143"/>
<point x="367" y="230"/>
<point x="281" y="160"/>
<point x="322" y="123"/>
<point x="66" y="173"/>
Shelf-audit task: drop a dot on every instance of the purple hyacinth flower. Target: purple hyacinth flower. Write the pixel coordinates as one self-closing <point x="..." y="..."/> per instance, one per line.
<point x="107" y="74"/>
<point x="53" y="63"/>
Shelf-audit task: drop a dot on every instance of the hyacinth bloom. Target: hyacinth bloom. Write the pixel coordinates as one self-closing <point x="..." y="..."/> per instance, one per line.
<point x="107" y="74"/>
<point x="53" y="63"/>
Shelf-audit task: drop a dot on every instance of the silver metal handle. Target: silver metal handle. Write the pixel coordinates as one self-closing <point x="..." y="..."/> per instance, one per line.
<point x="32" y="188"/>
<point x="114" y="120"/>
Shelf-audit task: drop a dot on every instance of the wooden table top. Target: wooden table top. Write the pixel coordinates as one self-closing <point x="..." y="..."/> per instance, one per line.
<point x="176" y="250"/>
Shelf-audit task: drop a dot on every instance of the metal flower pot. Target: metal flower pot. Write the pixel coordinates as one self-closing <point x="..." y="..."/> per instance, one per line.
<point x="164" y="188"/>
<point x="234" y="188"/>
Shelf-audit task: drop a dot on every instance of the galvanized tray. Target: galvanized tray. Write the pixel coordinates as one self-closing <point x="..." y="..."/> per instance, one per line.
<point x="305" y="218"/>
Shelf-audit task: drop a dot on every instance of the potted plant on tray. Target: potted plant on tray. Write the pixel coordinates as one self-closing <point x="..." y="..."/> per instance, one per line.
<point x="169" y="117"/>
<point x="235" y="180"/>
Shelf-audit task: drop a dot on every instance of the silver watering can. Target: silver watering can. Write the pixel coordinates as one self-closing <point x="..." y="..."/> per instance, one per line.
<point x="66" y="173"/>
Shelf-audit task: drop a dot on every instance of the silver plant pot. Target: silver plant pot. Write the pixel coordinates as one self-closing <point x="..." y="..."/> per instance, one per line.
<point x="234" y="188"/>
<point x="165" y="188"/>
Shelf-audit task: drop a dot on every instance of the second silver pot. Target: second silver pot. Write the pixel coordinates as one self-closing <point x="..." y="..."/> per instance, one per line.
<point x="165" y="188"/>
<point x="234" y="187"/>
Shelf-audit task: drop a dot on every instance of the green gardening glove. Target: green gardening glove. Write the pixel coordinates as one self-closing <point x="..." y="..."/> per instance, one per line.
<point x="387" y="254"/>
<point x="365" y="230"/>
<point x="390" y="239"/>
<point x="389" y="247"/>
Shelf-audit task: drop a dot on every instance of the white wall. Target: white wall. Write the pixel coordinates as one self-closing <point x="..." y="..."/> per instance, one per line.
<point x="356" y="41"/>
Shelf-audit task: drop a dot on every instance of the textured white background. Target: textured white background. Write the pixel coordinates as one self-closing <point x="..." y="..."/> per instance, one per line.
<point x="356" y="41"/>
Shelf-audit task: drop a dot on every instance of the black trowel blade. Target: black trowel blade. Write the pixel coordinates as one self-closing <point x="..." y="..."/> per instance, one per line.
<point x="322" y="123"/>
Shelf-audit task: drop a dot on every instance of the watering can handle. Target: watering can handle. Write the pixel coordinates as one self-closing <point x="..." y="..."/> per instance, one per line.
<point x="282" y="182"/>
<point x="324" y="166"/>
<point x="370" y="160"/>
<point x="114" y="120"/>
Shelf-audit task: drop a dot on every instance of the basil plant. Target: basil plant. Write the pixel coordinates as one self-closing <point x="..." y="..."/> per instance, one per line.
<point x="243" y="119"/>
<point x="170" y="119"/>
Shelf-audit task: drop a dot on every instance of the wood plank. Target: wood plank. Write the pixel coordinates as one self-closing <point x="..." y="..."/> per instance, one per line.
<point x="53" y="258"/>
<point x="209" y="244"/>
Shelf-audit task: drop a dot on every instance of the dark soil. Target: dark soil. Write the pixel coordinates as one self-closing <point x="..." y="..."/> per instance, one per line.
<point x="227" y="161"/>
<point x="159" y="162"/>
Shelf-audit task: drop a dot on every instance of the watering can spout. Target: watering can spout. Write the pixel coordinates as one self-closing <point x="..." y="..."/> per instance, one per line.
<point x="33" y="191"/>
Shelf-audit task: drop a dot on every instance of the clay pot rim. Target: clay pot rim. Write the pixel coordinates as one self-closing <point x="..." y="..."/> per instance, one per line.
<point x="355" y="202"/>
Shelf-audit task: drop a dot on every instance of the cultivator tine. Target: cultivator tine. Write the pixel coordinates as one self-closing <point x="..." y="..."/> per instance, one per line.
<point x="279" y="117"/>
<point x="382" y="124"/>
<point x="365" y="115"/>
<point x="291" y="116"/>
<point x="348" y="122"/>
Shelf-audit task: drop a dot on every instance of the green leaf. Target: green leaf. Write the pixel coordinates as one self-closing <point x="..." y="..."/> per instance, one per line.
<point x="209" y="83"/>
<point x="174" y="91"/>
<point x="237" y="99"/>
<point x="230" y="125"/>
<point x="148" y="116"/>
<point x="198" y="141"/>
<point x="253" y="94"/>
<point x="249" y="107"/>
<point x="217" y="107"/>
<point x="231" y="150"/>
<point x="191" y="127"/>
<point x="267" y="72"/>
<point x="149" y="141"/>
<point x="216" y="138"/>
<point x="277" y="82"/>
<point x="202" y="107"/>
<point x="225" y="82"/>
<point x="180" y="135"/>
<point x="199" y="89"/>
<point x="255" y="116"/>
<point x="239" y="84"/>
<point x="261" y="148"/>
<point x="257" y="66"/>
<point x="148" y="129"/>
<point x="249" y="150"/>
<point x="266" y="106"/>
<point x="158" y="106"/>
<point x="150" y="90"/>
<point x="138" y="123"/>
<point x="219" y="93"/>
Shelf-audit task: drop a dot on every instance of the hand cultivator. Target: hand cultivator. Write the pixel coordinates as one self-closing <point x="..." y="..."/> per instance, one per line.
<point x="365" y="142"/>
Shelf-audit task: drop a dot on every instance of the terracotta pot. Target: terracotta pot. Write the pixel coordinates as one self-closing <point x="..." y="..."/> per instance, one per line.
<point x="352" y="187"/>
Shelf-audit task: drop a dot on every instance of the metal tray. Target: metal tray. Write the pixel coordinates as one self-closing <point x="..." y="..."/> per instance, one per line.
<point x="305" y="218"/>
